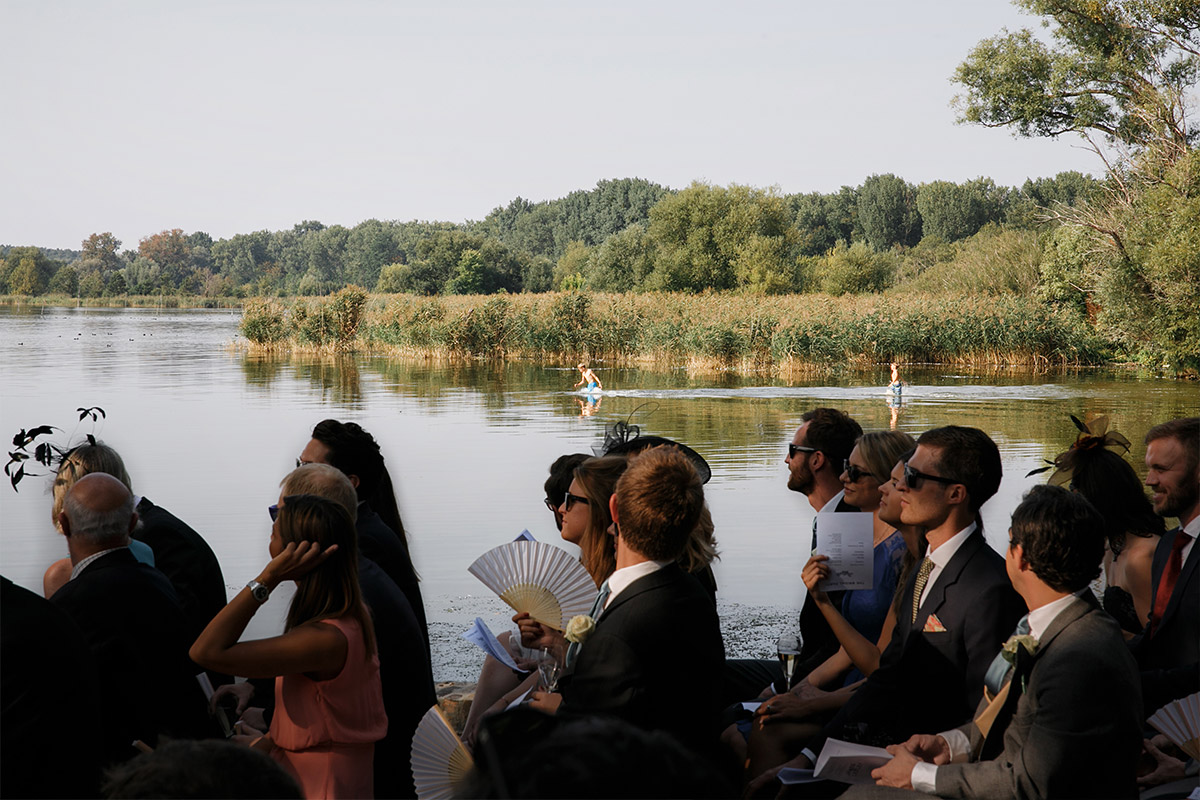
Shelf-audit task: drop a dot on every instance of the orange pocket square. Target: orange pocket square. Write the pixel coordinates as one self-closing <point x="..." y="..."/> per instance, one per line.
<point x="933" y="625"/>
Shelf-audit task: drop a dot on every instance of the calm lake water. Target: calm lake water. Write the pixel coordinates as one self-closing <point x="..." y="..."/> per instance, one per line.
<point x="208" y="431"/>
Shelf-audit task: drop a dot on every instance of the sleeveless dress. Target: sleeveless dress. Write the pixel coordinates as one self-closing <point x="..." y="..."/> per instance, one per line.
<point x="325" y="731"/>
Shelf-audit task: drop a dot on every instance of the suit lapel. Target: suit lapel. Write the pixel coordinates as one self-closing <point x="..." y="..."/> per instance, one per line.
<point x="948" y="577"/>
<point x="646" y="583"/>
<point x="1189" y="566"/>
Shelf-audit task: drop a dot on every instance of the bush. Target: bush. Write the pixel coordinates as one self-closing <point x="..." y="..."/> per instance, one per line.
<point x="263" y="322"/>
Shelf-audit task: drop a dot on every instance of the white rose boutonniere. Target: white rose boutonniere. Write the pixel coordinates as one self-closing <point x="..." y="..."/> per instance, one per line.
<point x="580" y="628"/>
<point x="1026" y="642"/>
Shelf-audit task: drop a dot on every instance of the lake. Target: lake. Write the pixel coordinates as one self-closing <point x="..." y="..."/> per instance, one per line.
<point x="207" y="430"/>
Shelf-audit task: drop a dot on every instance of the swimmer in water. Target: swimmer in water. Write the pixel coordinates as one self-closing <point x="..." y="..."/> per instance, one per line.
<point x="588" y="377"/>
<point x="895" y="386"/>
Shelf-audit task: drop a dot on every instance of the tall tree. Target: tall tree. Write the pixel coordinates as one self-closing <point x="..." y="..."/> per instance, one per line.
<point x="887" y="211"/>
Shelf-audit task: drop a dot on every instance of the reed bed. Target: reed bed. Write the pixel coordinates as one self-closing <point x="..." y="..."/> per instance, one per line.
<point x="705" y="332"/>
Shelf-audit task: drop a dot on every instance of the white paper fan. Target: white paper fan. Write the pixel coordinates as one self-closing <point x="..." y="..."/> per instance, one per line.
<point x="539" y="579"/>
<point x="1179" y="721"/>
<point x="439" y="758"/>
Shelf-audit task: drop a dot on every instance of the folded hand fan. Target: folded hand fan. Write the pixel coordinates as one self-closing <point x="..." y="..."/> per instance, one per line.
<point x="1179" y="721"/>
<point x="539" y="579"/>
<point x="439" y="758"/>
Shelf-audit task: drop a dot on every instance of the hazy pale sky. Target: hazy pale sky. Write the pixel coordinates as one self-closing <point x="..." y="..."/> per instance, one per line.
<point x="233" y="116"/>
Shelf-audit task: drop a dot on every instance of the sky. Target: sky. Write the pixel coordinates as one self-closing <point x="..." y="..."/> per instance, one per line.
<point x="228" y="117"/>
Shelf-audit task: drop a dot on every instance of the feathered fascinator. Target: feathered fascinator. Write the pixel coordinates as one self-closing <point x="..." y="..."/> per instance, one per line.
<point x="621" y="438"/>
<point x="1093" y="435"/>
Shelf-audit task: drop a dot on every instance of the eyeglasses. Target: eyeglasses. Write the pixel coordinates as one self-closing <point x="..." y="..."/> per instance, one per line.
<point x="854" y="473"/>
<point x="550" y="504"/>
<point x="914" y="478"/>
<point x="799" y="448"/>
<point x="273" y="510"/>
<point x="571" y="499"/>
<point x="301" y="463"/>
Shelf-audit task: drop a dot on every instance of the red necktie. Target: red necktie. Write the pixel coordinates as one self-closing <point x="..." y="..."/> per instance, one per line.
<point x="1166" y="584"/>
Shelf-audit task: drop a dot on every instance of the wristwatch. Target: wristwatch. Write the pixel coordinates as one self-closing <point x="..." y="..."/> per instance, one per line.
<point x="260" y="591"/>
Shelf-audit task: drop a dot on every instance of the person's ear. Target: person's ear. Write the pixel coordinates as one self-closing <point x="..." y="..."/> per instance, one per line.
<point x="133" y="521"/>
<point x="817" y="460"/>
<point x="957" y="494"/>
<point x="64" y="524"/>
<point x="612" y="508"/>
<point x="353" y="480"/>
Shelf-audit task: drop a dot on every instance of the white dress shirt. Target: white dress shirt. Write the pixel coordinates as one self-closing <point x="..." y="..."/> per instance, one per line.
<point x="619" y="581"/>
<point x="941" y="557"/>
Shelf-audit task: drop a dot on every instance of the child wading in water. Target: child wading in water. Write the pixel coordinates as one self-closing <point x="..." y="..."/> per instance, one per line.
<point x="589" y="377"/>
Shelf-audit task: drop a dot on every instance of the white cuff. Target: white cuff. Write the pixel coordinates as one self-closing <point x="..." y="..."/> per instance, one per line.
<point x="957" y="741"/>
<point x="810" y="755"/>
<point x="924" y="777"/>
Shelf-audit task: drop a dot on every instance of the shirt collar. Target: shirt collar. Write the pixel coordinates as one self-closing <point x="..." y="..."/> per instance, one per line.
<point x="620" y="580"/>
<point x="1040" y="618"/>
<point x="941" y="556"/>
<point x="85" y="563"/>
<point x="1192" y="529"/>
<point x="833" y="502"/>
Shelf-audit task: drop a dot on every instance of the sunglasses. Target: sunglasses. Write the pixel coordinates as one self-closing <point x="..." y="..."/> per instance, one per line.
<point x="799" y="448"/>
<point x="550" y="504"/>
<point x="273" y="510"/>
<point x="914" y="479"/>
<point x="855" y="474"/>
<point x="571" y="499"/>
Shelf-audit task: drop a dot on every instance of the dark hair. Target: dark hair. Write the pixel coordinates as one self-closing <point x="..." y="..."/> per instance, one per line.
<point x="1184" y="429"/>
<point x="355" y="452"/>
<point x="969" y="456"/>
<point x="1061" y="534"/>
<point x="832" y="432"/>
<point x="1109" y="483"/>
<point x="331" y="590"/>
<point x="598" y="478"/>
<point x="562" y="471"/>
<point x="203" y="768"/>
<point x="659" y="499"/>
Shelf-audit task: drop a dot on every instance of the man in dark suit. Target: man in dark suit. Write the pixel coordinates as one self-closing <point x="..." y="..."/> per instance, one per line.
<point x="349" y="448"/>
<point x="132" y="620"/>
<point x="956" y="609"/>
<point x="1168" y="650"/>
<point x="1062" y="713"/>
<point x="658" y="638"/>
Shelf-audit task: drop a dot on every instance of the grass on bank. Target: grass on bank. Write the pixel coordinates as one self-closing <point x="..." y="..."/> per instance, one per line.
<point x="724" y="331"/>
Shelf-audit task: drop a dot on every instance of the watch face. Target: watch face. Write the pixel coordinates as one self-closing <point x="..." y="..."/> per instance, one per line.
<point x="260" y="592"/>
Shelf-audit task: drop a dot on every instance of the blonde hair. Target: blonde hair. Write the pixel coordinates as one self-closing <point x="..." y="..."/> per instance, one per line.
<point x="84" y="460"/>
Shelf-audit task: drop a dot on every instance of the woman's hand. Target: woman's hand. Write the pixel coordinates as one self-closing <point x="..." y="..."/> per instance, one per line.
<point x="295" y="561"/>
<point x="815" y="571"/>
<point x="789" y="707"/>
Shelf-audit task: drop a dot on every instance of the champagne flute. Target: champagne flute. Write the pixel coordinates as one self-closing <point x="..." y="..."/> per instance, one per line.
<point x="788" y="649"/>
<point x="548" y="671"/>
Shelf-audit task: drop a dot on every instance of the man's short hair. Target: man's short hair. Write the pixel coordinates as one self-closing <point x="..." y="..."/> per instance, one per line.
<point x="1062" y="536"/>
<point x="659" y="498"/>
<point x="98" y="527"/>
<point x="832" y="432"/>
<point x="969" y="456"/>
<point x="323" y="481"/>
<point x="205" y="768"/>
<point x="1184" y="429"/>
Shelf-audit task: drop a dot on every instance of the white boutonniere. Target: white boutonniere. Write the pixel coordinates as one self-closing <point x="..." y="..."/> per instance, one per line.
<point x="580" y="628"/>
<point x="1024" y="642"/>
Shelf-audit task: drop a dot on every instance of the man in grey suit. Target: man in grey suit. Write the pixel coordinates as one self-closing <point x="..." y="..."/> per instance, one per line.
<point x="1062" y="712"/>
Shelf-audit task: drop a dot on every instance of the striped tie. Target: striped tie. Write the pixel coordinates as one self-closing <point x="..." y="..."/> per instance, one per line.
<point x="922" y="579"/>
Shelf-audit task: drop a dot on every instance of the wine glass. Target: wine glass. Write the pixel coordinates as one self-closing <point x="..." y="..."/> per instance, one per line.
<point x="788" y="649"/>
<point x="549" y="670"/>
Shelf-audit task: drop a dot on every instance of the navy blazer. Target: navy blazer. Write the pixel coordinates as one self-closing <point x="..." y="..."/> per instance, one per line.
<point x="655" y="660"/>
<point x="1169" y="656"/>
<point x="930" y="676"/>
<point x="137" y="632"/>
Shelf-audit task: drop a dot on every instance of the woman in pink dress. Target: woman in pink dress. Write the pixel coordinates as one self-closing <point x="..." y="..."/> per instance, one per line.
<point x="328" y="699"/>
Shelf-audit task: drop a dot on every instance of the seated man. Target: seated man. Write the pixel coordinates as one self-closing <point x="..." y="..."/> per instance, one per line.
<point x="1062" y="711"/>
<point x="132" y="621"/>
<point x="657" y="638"/>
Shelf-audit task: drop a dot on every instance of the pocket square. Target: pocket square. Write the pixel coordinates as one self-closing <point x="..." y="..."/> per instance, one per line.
<point x="933" y="625"/>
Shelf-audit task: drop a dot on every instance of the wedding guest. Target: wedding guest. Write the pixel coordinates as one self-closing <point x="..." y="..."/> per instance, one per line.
<point x="562" y="472"/>
<point x="956" y="611"/>
<point x="132" y="620"/>
<point x="188" y="769"/>
<point x="1061" y="714"/>
<point x="381" y="535"/>
<point x="328" y="697"/>
<point x="1168" y="651"/>
<point x="657" y="637"/>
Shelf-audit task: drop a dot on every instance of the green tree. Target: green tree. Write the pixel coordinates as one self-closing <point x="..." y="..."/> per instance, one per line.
<point x="952" y="211"/>
<point x="91" y="284"/>
<point x="65" y="281"/>
<point x="103" y="249"/>
<point x="621" y="262"/>
<point x="171" y="251"/>
<point x="855" y="269"/>
<point x="29" y="270"/>
<point x="1120" y="68"/>
<point x="369" y="247"/>
<point x="572" y="265"/>
<point x="887" y="211"/>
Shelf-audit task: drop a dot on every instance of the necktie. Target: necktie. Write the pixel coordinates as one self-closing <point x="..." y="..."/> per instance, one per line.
<point x="597" y="609"/>
<point x="922" y="579"/>
<point x="999" y="668"/>
<point x="1166" y="583"/>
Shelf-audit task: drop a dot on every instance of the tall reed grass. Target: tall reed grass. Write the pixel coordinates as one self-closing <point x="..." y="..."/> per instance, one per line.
<point x="721" y="331"/>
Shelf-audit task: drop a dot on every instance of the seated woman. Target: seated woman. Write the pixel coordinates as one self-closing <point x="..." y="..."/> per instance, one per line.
<point x="328" y="697"/>
<point x="1093" y="468"/>
<point x="783" y="723"/>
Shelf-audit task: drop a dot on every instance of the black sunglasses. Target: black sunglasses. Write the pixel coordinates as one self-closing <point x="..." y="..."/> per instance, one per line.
<point x="914" y="478"/>
<point x="799" y="448"/>
<point x="855" y="474"/>
<point x="550" y="504"/>
<point x="273" y="510"/>
<point x="571" y="499"/>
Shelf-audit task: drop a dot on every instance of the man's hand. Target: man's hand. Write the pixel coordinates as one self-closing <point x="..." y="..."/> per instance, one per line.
<point x="897" y="772"/>
<point x="1167" y="768"/>
<point x="787" y="707"/>
<point x="243" y="692"/>
<point x="928" y="747"/>
<point x="545" y="701"/>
